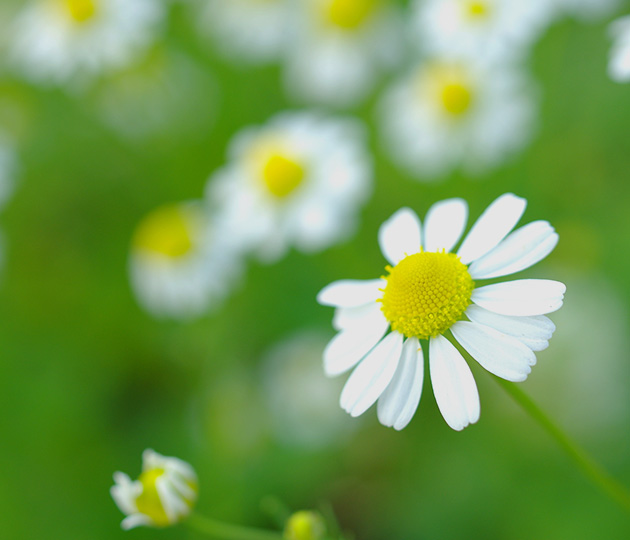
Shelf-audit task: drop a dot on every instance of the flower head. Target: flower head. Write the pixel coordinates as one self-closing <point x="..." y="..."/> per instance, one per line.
<point x="56" y="40"/>
<point x="430" y="292"/>
<point x="452" y="111"/>
<point x="180" y="262"/>
<point x="299" y="180"/>
<point x="163" y="495"/>
<point x="305" y="525"/>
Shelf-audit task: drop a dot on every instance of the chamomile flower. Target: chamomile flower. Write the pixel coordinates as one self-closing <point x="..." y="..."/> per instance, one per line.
<point x="163" y="495"/>
<point x="56" y="40"/>
<point x="252" y="30"/>
<point x="452" y="112"/>
<point x="491" y="29"/>
<point x="305" y="525"/>
<point x="298" y="180"/>
<point x="180" y="264"/>
<point x="619" y="64"/>
<point x="429" y="292"/>
<point x="340" y="49"/>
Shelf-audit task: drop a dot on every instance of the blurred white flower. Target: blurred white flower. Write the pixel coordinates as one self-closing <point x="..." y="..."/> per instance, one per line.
<point x="56" y="40"/>
<point x="299" y="180"/>
<point x="619" y="64"/>
<point x="163" y="495"/>
<point x="252" y="30"/>
<point x="490" y="29"/>
<point x="585" y="9"/>
<point x="340" y="49"/>
<point x="180" y="262"/>
<point x="301" y="400"/>
<point x="427" y="292"/>
<point x="450" y="112"/>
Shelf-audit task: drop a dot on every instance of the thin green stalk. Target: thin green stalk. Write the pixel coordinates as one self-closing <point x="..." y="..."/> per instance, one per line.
<point x="224" y="531"/>
<point x="589" y="467"/>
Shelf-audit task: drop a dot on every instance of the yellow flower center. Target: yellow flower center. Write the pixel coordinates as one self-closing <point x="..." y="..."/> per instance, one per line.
<point x="149" y="502"/>
<point x="281" y="175"/>
<point x="305" y="525"/>
<point x="477" y="9"/>
<point x="350" y="14"/>
<point x="165" y="231"/>
<point x="426" y="293"/>
<point x="456" y="98"/>
<point x="80" y="10"/>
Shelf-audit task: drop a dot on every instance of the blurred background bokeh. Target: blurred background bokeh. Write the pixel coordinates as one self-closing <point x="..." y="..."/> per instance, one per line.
<point x="90" y="379"/>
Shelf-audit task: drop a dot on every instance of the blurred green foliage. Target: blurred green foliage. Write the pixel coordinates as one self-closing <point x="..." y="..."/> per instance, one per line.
<point x="89" y="380"/>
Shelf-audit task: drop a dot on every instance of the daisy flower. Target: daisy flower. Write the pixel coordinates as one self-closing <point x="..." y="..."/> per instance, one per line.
<point x="163" y="495"/>
<point x="180" y="263"/>
<point x="340" y="49"/>
<point x="254" y="30"/>
<point x="54" y="40"/>
<point x="449" y="112"/>
<point x="619" y="64"/>
<point x="299" y="180"/>
<point x="429" y="292"/>
<point x="492" y="29"/>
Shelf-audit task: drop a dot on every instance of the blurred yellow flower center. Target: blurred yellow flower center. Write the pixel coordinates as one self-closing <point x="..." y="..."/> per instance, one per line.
<point x="350" y="14"/>
<point x="81" y="10"/>
<point x="426" y="293"/>
<point x="456" y="98"/>
<point x="477" y="10"/>
<point x="305" y="525"/>
<point x="282" y="176"/>
<point x="149" y="502"/>
<point x="165" y="231"/>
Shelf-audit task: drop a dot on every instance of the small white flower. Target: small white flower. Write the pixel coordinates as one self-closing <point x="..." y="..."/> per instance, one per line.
<point x="163" y="495"/>
<point x="450" y="112"/>
<point x="428" y="291"/>
<point x="340" y="49"/>
<point x="619" y="64"/>
<point x="180" y="262"/>
<point x="253" y="30"/>
<point x="56" y="40"/>
<point x="491" y="29"/>
<point x="299" y="180"/>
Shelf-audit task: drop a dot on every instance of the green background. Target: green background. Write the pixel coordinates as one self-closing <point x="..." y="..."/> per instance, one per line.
<point x="89" y="380"/>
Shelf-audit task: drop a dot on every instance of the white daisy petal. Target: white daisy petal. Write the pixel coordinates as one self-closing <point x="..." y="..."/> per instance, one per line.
<point x="136" y="520"/>
<point x="351" y="293"/>
<point x="521" y="249"/>
<point x="352" y="344"/>
<point x="444" y="224"/>
<point x="453" y="384"/>
<point x="347" y="317"/>
<point x="400" y="236"/>
<point x="372" y="375"/>
<point x="503" y="355"/>
<point x="522" y="297"/>
<point x="399" y="402"/>
<point x="492" y="226"/>
<point x="535" y="332"/>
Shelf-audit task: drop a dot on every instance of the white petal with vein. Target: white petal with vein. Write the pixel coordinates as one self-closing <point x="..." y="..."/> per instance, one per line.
<point x="444" y="224"/>
<point x="351" y="293"/>
<point x="370" y="378"/>
<point x="350" y="345"/>
<point x="521" y="249"/>
<point x="453" y="384"/>
<point x="400" y="236"/>
<point x="522" y="297"/>
<point x="399" y="402"/>
<point x="347" y="317"/>
<point x="503" y="355"/>
<point x="492" y="226"/>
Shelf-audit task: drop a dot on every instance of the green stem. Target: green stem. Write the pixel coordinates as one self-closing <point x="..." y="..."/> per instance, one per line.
<point x="224" y="531"/>
<point x="589" y="467"/>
